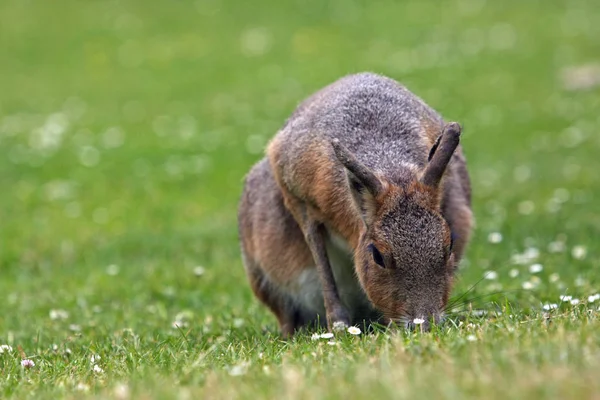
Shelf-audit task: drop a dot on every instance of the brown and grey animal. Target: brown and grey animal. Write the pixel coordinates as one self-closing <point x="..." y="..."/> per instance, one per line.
<point x="360" y="211"/>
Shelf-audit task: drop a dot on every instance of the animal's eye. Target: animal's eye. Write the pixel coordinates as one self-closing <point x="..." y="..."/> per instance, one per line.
<point x="377" y="257"/>
<point x="452" y="237"/>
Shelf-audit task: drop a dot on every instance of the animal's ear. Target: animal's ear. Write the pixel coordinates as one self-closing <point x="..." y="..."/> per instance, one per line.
<point x="364" y="185"/>
<point x="440" y="154"/>
<point x="434" y="148"/>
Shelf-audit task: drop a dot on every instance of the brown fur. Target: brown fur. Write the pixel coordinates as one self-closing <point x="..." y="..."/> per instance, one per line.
<point x="327" y="174"/>
<point x="258" y="239"/>
<point x="313" y="189"/>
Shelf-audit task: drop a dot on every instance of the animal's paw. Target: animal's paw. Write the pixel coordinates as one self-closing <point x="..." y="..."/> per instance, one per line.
<point x="338" y="319"/>
<point x="339" y="326"/>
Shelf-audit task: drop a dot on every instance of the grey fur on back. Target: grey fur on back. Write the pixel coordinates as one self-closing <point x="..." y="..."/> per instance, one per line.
<point x="380" y="121"/>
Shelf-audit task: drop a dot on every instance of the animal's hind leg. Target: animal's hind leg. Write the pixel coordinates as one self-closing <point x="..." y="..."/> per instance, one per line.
<point x="289" y="316"/>
<point x="456" y="204"/>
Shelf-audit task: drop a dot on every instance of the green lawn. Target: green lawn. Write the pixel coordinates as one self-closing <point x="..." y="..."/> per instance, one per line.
<point x="126" y="128"/>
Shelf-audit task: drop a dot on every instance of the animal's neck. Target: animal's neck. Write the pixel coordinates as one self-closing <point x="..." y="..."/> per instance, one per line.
<point x="403" y="174"/>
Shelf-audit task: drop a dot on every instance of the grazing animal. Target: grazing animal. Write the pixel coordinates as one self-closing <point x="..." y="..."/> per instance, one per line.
<point x="360" y="211"/>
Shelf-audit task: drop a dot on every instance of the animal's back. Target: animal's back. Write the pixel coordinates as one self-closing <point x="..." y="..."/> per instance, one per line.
<point x="383" y="124"/>
<point x="380" y="121"/>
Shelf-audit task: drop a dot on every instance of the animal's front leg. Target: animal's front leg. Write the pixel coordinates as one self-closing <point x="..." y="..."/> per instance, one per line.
<point x="314" y="234"/>
<point x="337" y="315"/>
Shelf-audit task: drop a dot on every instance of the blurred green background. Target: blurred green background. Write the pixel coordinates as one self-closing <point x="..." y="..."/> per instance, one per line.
<point x="126" y="128"/>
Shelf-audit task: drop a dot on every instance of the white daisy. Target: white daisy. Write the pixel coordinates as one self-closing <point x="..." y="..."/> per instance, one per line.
<point x="237" y="370"/>
<point x="491" y="275"/>
<point x="593" y="298"/>
<point x="535" y="268"/>
<point x="58" y="314"/>
<point x="579" y="252"/>
<point x="354" y="330"/>
<point x="528" y="285"/>
<point x="4" y="348"/>
<point x="495" y="237"/>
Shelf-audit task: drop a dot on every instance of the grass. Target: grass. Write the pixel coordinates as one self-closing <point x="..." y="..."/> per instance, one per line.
<point x="125" y="132"/>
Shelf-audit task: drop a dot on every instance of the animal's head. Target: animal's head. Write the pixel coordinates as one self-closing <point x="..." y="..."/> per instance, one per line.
<point x="404" y="258"/>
